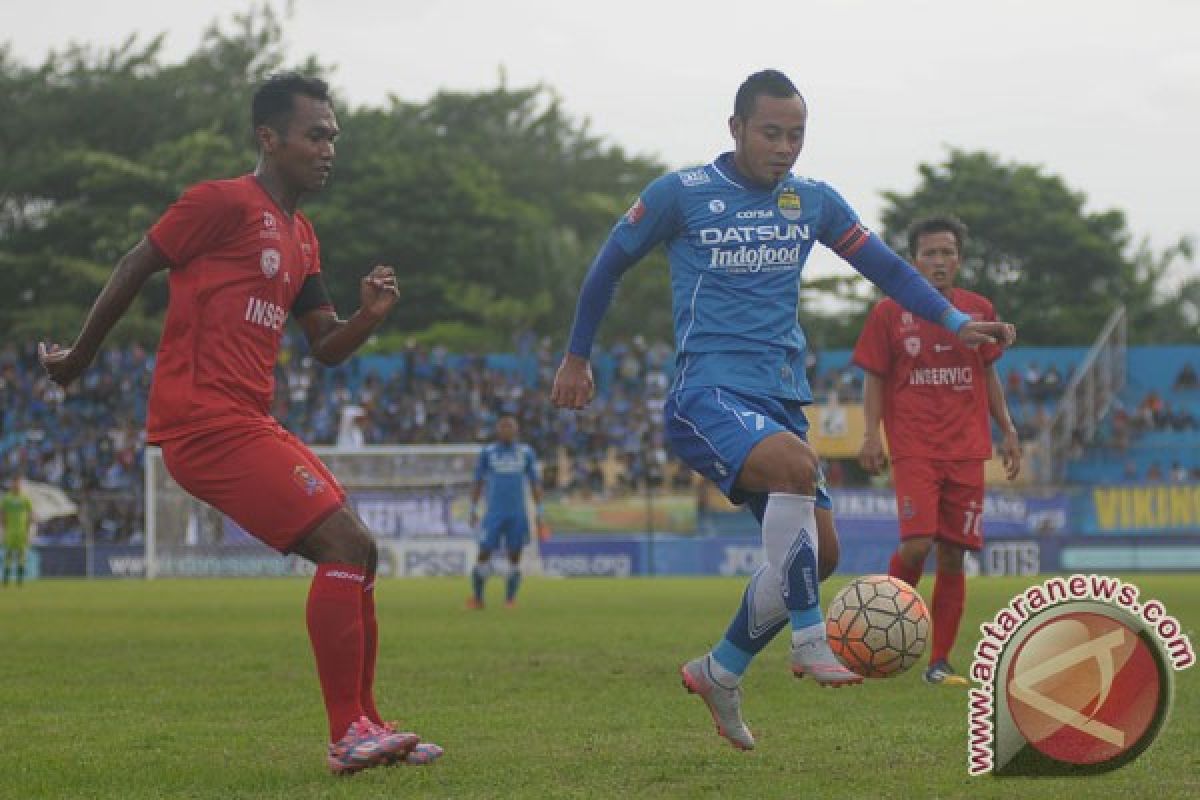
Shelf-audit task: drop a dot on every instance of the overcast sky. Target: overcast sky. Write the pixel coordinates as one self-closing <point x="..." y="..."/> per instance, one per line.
<point x="1105" y="94"/>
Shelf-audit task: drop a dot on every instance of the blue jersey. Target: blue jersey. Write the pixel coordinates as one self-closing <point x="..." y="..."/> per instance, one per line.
<point x="506" y="468"/>
<point x="736" y="253"/>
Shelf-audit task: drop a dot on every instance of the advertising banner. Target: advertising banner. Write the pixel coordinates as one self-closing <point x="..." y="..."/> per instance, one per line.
<point x="1153" y="510"/>
<point x="577" y="557"/>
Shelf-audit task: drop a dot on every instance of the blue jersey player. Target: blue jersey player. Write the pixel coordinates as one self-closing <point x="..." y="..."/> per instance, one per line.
<point x="505" y="467"/>
<point x="737" y="233"/>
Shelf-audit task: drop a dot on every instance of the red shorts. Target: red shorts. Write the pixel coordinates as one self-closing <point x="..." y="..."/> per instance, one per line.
<point x="942" y="499"/>
<point x="258" y="475"/>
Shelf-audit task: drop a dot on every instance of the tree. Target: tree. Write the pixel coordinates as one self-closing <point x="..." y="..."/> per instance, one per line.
<point x="97" y="144"/>
<point x="1050" y="266"/>
<point x="489" y="204"/>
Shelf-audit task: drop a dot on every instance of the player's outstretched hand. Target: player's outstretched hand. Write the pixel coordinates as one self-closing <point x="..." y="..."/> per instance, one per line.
<point x="977" y="332"/>
<point x="573" y="384"/>
<point x="62" y="364"/>
<point x="379" y="291"/>
<point x="871" y="456"/>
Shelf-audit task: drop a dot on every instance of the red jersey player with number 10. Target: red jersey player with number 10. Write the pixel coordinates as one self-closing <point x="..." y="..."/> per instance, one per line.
<point x="241" y="257"/>
<point x="934" y="394"/>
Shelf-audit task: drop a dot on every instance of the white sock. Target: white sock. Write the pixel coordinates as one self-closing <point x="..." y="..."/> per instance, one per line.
<point x="784" y="517"/>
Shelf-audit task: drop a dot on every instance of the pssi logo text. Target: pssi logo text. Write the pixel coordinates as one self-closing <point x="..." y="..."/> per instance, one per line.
<point x="435" y="562"/>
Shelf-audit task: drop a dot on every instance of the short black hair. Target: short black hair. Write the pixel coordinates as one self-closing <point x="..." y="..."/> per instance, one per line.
<point x="770" y="82"/>
<point x="273" y="104"/>
<point x="938" y="223"/>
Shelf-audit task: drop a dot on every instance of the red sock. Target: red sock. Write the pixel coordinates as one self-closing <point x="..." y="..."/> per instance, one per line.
<point x="948" y="592"/>
<point x="335" y="628"/>
<point x="898" y="569"/>
<point x="370" y="650"/>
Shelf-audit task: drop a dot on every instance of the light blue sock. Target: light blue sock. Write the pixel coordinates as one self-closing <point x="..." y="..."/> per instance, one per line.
<point x="732" y="657"/>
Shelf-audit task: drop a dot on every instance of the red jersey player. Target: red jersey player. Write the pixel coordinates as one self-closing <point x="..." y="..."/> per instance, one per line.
<point x="240" y="258"/>
<point x="934" y="394"/>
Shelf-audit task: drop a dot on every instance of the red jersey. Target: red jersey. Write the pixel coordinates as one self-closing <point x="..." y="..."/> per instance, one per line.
<point x="935" y="401"/>
<point x="238" y="262"/>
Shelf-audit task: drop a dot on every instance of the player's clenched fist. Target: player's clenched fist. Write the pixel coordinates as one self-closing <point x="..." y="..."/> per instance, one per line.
<point x="379" y="291"/>
<point x="573" y="383"/>
<point x="59" y="363"/>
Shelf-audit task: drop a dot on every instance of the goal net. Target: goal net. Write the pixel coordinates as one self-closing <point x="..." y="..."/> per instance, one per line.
<point x="415" y="499"/>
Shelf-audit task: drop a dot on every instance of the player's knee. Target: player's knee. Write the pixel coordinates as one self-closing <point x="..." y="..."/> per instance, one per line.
<point x="340" y="539"/>
<point x="781" y="463"/>
<point x="797" y="470"/>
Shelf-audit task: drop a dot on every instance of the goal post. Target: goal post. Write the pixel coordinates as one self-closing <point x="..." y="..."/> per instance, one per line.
<point x="414" y="499"/>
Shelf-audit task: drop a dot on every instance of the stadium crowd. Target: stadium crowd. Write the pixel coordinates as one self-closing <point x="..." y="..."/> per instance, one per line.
<point x="89" y="441"/>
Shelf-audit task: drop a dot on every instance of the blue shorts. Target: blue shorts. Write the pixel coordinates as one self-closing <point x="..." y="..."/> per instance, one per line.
<point x="713" y="430"/>
<point x="512" y="531"/>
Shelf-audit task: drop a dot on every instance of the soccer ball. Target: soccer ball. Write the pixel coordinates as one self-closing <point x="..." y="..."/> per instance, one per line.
<point x="878" y="626"/>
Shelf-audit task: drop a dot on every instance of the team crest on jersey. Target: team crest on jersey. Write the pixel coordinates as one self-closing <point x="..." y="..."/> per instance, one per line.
<point x="912" y="346"/>
<point x="716" y="206"/>
<point x="304" y="478"/>
<point x="789" y="204"/>
<point x="906" y="508"/>
<point x="636" y="211"/>
<point x="694" y="177"/>
<point x="270" y="262"/>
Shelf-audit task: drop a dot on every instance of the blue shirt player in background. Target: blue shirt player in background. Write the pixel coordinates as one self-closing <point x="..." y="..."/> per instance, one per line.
<point x="738" y="232"/>
<point x="505" y="466"/>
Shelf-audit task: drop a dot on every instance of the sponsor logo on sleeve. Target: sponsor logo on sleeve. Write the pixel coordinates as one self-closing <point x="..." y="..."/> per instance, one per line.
<point x="694" y="177"/>
<point x="636" y="211"/>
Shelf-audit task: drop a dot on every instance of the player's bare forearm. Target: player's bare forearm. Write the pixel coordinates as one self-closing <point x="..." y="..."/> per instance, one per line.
<point x="871" y="455"/>
<point x="997" y="405"/>
<point x="338" y="339"/>
<point x="1010" y="443"/>
<point x="126" y="281"/>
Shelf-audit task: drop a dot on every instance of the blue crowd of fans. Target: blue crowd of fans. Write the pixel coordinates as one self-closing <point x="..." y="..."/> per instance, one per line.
<point x="90" y="439"/>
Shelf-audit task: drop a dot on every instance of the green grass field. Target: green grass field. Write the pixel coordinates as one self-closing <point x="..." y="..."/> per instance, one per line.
<point x="207" y="689"/>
